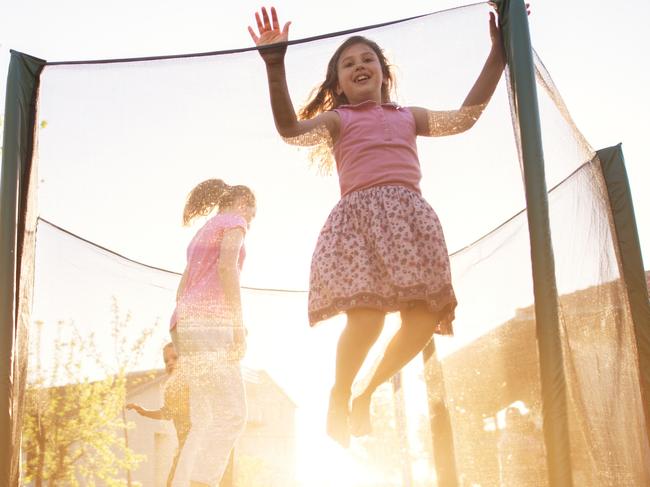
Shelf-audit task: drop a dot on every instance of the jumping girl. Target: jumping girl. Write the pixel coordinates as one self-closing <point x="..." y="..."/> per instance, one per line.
<point x="382" y="248"/>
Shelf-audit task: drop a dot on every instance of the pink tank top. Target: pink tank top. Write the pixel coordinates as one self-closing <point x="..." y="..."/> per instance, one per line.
<point x="376" y="146"/>
<point x="202" y="297"/>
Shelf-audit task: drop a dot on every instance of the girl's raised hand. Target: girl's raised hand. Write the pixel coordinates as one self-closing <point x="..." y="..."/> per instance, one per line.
<point x="269" y="33"/>
<point x="495" y="33"/>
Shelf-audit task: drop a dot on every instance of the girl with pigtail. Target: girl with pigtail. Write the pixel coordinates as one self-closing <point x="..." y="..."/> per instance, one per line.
<point x="382" y="247"/>
<point x="208" y="331"/>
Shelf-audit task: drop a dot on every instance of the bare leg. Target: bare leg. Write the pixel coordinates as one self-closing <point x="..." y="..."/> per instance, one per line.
<point x="417" y="329"/>
<point x="361" y="332"/>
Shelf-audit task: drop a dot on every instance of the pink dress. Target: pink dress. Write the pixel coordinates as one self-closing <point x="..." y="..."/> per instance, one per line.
<point x="382" y="246"/>
<point x="209" y="350"/>
<point x="202" y="298"/>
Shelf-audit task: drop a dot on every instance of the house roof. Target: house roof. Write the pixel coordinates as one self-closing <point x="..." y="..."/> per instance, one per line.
<point x="142" y="379"/>
<point x="514" y="340"/>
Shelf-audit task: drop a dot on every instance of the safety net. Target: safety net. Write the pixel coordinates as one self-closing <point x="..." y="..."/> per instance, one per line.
<point x="119" y="146"/>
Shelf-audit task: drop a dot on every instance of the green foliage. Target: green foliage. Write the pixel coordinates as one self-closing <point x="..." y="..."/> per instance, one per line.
<point x="74" y="429"/>
<point x="42" y="125"/>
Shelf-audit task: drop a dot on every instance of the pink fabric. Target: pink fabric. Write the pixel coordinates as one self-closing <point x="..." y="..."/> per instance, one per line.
<point x="376" y="146"/>
<point x="202" y="296"/>
<point x="381" y="248"/>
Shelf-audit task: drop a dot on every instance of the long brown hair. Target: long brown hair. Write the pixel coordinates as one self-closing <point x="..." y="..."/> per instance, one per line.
<point x="324" y="97"/>
<point x="211" y="194"/>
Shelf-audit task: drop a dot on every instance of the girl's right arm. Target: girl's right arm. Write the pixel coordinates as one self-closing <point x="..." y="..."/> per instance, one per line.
<point x="284" y="115"/>
<point x="232" y="241"/>
<point x="147" y="413"/>
<point x="181" y="286"/>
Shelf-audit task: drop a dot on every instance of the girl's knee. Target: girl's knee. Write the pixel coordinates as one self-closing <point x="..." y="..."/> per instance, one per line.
<point x="364" y="326"/>
<point x="238" y="418"/>
<point x="241" y="418"/>
<point x="366" y="318"/>
<point x="418" y="314"/>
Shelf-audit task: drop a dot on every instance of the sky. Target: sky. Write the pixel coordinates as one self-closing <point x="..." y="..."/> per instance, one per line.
<point x="592" y="49"/>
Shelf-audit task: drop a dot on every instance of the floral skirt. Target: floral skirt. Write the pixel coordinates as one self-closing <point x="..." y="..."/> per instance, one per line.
<point x="382" y="248"/>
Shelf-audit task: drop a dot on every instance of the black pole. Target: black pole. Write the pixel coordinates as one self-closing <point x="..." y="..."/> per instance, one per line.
<point x="18" y="140"/>
<point x="631" y="263"/>
<point x="513" y="20"/>
<point x="442" y="438"/>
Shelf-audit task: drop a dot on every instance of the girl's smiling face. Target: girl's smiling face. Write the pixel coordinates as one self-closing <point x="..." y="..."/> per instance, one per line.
<point x="359" y="74"/>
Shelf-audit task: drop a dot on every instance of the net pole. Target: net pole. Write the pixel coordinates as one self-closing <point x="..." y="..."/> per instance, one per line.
<point x="442" y="438"/>
<point x="631" y="263"/>
<point x="18" y="140"/>
<point x="513" y="20"/>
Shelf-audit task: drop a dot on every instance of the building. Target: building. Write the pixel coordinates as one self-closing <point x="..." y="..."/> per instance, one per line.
<point x="501" y="368"/>
<point x="264" y="455"/>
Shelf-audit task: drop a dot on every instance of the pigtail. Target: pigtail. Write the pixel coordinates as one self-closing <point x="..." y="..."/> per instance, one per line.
<point x="213" y="194"/>
<point x="204" y="198"/>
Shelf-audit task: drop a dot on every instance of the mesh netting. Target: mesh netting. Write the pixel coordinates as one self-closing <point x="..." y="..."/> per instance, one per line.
<point x="122" y="143"/>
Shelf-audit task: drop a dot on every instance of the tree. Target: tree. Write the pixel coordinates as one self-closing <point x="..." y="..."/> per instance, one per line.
<point x="73" y="431"/>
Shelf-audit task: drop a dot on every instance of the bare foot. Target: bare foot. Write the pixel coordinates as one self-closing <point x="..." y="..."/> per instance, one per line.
<point x="338" y="413"/>
<point x="360" y="415"/>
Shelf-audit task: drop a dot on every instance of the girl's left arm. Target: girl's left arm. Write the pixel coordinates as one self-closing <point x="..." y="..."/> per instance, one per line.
<point x="147" y="413"/>
<point x="232" y="241"/>
<point x="181" y="285"/>
<point x="490" y="75"/>
<point x="439" y="123"/>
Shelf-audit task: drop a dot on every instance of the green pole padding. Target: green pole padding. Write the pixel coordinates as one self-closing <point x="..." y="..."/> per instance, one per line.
<point x="513" y="20"/>
<point x="631" y="262"/>
<point x="442" y="437"/>
<point x="19" y="124"/>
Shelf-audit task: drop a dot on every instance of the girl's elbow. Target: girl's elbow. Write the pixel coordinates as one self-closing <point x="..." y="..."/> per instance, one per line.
<point x="283" y="132"/>
<point x="468" y="123"/>
<point x="467" y="127"/>
<point x="287" y="131"/>
<point x="459" y="129"/>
